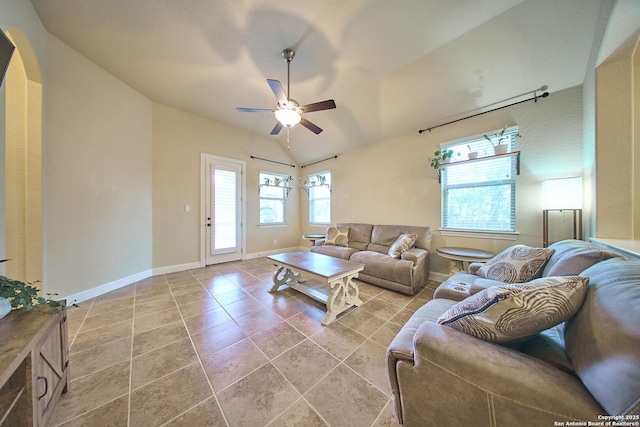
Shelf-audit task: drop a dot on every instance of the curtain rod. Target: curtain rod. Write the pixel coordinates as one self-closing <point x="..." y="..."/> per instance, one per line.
<point x="319" y="161"/>
<point x="535" y="98"/>
<point x="273" y="161"/>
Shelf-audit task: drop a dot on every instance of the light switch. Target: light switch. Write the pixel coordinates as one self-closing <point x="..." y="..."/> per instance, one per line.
<point x="187" y="208"/>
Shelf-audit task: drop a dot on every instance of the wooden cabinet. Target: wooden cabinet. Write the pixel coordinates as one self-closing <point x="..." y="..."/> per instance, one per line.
<point x="33" y="366"/>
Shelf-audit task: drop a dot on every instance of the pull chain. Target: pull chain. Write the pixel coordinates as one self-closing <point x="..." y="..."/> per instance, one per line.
<point x="288" y="147"/>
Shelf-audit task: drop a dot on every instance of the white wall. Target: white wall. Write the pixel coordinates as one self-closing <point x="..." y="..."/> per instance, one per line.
<point x="179" y="138"/>
<point x="98" y="197"/>
<point x="392" y="183"/>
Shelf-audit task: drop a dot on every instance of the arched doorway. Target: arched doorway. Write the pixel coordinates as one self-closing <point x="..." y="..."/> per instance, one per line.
<point x="23" y="162"/>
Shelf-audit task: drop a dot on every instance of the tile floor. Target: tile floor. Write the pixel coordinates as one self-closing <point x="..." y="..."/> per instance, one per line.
<point x="211" y="347"/>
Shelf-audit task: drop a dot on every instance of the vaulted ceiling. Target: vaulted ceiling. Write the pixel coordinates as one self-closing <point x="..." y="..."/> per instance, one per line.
<point x="392" y="67"/>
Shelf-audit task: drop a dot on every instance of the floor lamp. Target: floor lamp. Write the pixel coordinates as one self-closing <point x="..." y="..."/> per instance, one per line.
<point x="562" y="195"/>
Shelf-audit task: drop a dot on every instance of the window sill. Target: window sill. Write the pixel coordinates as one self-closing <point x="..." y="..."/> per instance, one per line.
<point x="278" y="225"/>
<point x="495" y="235"/>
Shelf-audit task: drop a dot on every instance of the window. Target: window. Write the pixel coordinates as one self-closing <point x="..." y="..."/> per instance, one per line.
<point x="273" y="198"/>
<point x="480" y="195"/>
<point x="319" y="186"/>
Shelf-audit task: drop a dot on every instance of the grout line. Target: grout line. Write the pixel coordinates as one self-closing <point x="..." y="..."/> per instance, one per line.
<point x="193" y="346"/>
<point x="261" y="276"/>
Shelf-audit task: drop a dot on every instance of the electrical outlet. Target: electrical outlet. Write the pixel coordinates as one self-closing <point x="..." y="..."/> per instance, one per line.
<point x="275" y="241"/>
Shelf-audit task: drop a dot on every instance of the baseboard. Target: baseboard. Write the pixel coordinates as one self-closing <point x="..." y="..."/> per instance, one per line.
<point x="175" y="268"/>
<point x="277" y="251"/>
<point x="107" y="287"/>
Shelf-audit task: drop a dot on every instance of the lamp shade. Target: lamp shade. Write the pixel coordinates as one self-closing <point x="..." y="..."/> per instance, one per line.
<point x="564" y="193"/>
<point x="287" y="117"/>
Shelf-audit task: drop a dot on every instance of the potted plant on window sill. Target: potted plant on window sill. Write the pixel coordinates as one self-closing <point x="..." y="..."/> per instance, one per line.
<point x="500" y="141"/>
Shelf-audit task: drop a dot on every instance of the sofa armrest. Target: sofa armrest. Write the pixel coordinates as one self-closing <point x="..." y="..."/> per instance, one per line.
<point x="319" y="242"/>
<point x="485" y="383"/>
<point x="414" y="255"/>
<point x="474" y="267"/>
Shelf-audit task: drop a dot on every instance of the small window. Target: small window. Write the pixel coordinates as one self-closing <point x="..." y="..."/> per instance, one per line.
<point x="480" y="195"/>
<point x="319" y="186"/>
<point x="273" y="194"/>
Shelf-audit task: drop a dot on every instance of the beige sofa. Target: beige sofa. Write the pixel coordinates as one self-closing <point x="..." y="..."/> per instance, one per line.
<point x="583" y="370"/>
<point x="369" y="244"/>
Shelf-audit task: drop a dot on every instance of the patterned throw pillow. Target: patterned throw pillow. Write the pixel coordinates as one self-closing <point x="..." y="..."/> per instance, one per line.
<point x="517" y="264"/>
<point x="337" y="236"/>
<point x="403" y="242"/>
<point x="506" y="313"/>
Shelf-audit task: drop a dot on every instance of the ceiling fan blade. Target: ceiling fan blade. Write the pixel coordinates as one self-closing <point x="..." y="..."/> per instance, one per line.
<point x="254" y="110"/>
<point x="278" y="90"/>
<point x="313" y="128"/>
<point x="318" y="106"/>
<point x="276" y="129"/>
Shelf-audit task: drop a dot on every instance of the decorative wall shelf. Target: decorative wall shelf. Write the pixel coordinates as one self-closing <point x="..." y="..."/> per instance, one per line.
<point x="288" y="189"/>
<point x="515" y="154"/>
<point x="307" y="187"/>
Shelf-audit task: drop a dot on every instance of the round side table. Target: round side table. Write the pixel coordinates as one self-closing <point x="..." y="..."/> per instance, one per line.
<point x="313" y="237"/>
<point x="458" y="256"/>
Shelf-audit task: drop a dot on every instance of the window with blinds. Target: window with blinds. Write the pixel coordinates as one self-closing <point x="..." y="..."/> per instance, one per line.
<point x="273" y="198"/>
<point x="320" y="198"/>
<point x="480" y="195"/>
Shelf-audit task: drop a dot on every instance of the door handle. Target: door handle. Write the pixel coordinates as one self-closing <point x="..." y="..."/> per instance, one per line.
<point x="46" y="386"/>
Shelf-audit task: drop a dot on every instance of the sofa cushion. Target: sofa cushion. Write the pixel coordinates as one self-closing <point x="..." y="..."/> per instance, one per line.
<point x="337" y="236"/>
<point x="571" y="257"/>
<point x="548" y="346"/>
<point x="359" y="234"/>
<point x="506" y="313"/>
<point x="384" y="267"/>
<point x="403" y="243"/>
<point x="517" y="264"/>
<point x="603" y="339"/>
<point x="383" y="236"/>
<point x="334" y="251"/>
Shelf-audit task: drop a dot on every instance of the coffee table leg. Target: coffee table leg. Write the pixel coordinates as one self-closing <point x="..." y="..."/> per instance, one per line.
<point x="344" y="295"/>
<point x="281" y="278"/>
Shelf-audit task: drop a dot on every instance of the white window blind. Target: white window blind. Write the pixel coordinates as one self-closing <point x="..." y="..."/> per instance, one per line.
<point x="319" y="198"/>
<point x="225" y="214"/>
<point x="273" y="198"/>
<point x="480" y="195"/>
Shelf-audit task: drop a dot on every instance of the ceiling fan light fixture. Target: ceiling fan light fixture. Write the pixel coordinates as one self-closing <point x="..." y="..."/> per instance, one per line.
<point x="289" y="118"/>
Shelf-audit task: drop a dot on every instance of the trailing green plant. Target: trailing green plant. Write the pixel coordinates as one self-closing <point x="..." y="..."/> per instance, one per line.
<point x="26" y="295"/>
<point x="440" y="157"/>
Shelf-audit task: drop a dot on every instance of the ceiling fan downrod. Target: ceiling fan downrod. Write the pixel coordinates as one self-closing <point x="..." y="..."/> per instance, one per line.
<point x="288" y="55"/>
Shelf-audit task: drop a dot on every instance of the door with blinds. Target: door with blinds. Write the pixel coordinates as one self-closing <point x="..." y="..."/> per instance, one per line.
<point x="223" y="210"/>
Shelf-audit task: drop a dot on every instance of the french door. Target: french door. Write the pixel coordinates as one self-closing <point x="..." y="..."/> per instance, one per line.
<point x="223" y="209"/>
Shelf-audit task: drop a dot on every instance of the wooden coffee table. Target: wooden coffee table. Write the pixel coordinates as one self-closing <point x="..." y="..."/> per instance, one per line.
<point x="292" y="267"/>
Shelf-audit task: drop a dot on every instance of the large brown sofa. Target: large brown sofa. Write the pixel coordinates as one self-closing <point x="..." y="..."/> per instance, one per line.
<point x="583" y="370"/>
<point x="369" y="244"/>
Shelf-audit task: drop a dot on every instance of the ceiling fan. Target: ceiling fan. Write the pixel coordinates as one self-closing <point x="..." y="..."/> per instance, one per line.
<point x="288" y="112"/>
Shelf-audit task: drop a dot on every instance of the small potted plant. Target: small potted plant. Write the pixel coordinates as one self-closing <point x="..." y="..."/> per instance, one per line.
<point x="500" y="141"/>
<point x="322" y="179"/>
<point x="472" y="154"/>
<point x="267" y="181"/>
<point x="276" y="181"/>
<point x="440" y="158"/>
